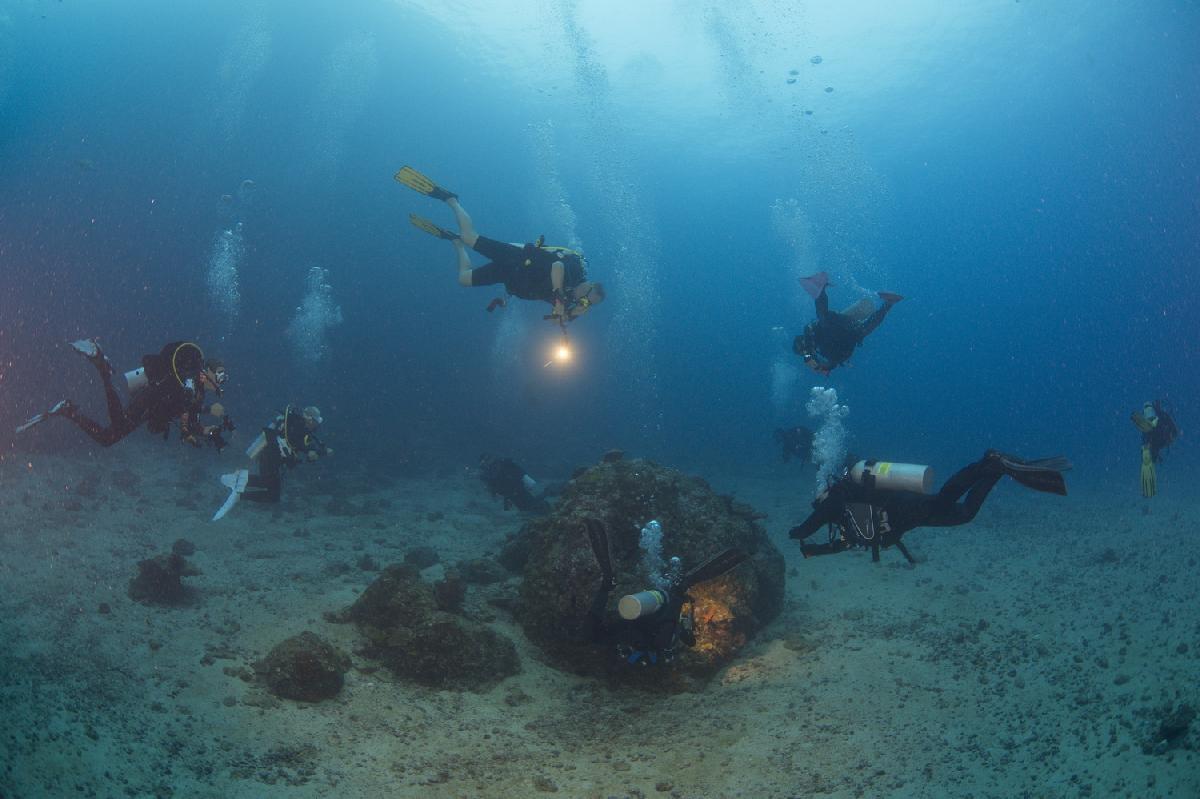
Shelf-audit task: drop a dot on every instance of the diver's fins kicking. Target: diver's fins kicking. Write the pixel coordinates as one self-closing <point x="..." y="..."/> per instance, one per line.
<point x="423" y="224"/>
<point x="714" y="567"/>
<point x="236" y="483"/>
<point x="422" y="185"/>
<point x="598" y="537"/>
<point x="1041" y="475"/>
<point x="1149" y="476"/>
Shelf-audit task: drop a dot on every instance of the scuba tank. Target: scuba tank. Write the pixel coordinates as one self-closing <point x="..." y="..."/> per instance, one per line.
<point x="136" y="380"/>
<point x="643" y="603"/>
<point x="256" y="446"/>
<point x="893" y="476"/>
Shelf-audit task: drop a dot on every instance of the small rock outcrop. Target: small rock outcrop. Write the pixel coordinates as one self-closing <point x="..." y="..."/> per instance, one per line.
<point x="159" y="581"/>
<point x="1172" y="731"/>
<point x="304" y="667"/>
<point x="421" y="557"/>
<point x="407" y="630"/>
<point x="481" y="571"/>
<point x="560" y="574"/>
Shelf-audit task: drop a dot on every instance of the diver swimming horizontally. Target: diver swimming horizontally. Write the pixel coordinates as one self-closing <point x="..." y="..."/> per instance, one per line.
<point x="653" y="623"/>
<point x="873" y="504"/>
<point x="535" y="271"/>
<point x="828" y="342"/>
<point x="1159" y="431"/>
<point x="171" y="385"/>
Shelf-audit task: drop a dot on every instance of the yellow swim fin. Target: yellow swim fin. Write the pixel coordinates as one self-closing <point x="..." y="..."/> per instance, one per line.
<point x="421" y="223"/>
<point x="421" y="184"/>
<point x="1149" y="479"/>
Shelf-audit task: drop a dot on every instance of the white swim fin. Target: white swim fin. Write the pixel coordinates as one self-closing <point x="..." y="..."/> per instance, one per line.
<point x="236" y="483"/>
<point x="37" y="419"/>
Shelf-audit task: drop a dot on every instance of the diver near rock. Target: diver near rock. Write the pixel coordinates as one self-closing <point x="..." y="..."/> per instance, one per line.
<point x="171" y="385"/>
<point x="654" y="622"/>
<point x="1159" y="431"/>
<point x="536" y="271"/>
<point x="290" y="439"/>
<point x="873" y="504"/>
<point x="830" y="340"/>
<point x="504" y="478"/>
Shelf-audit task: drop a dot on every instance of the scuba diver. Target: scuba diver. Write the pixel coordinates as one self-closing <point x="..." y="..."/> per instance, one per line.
<point x="288" y="440"/>
<point x="504" y="478"/>
<point x="828" y="342"/>
<point x="654" y="622"/>
<point x="796" y="442"/>
<point x="874" y="503"/>
<point x="1159" y="431"/>
<point x="530" y="272"/>
<point x="171" y="385"/>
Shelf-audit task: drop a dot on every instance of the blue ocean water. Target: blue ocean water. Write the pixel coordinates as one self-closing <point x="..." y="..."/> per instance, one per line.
<point x="1023" y="172"/>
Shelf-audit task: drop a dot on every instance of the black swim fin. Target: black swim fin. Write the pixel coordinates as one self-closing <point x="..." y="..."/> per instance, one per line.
<point x="714" y="567"/>
<point x="597" y="534"/>
<point x="1041" y="475"/>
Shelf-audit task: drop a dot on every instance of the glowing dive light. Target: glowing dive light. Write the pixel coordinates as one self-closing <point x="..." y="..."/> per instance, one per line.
<point x="561" y="354"/>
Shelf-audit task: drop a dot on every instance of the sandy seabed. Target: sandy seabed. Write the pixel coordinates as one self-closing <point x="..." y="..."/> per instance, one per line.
<point x="1033" y="653"/>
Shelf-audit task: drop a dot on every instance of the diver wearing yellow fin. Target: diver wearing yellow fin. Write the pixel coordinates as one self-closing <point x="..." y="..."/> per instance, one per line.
<point x="1159" y="431"/>
<point x="535" y="271"/>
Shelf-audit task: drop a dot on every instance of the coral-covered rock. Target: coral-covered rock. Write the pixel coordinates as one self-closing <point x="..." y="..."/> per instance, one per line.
<point x="560" y="574"/>
<point x="304" y="667"/>
<point x="159" y="581"/>
<point x="450" y="592"/>
<point x="399" y="616"/>
<point x="481" y="571"/>
<point x="421" y="557"/>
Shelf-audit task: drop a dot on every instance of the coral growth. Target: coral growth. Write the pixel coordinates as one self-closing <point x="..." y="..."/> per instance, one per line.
<point x="304" y="667"/>
<point x="401" y="617"/>
<point x="159" y="581"/>
<point x="560" y="574"/>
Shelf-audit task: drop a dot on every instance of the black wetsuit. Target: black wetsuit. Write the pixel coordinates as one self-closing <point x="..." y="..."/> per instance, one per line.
<point x="1162" y="435"/>
<point x="833" y="337"/>
<point x="525" y="271"/>
<point x="288" y="441"/>
<point x="504" y="478"/>
<point x="167" y="397"/>
<point x="871" y="517"/>
<point x="796" y="442"/>
<point x="649" y="640"/>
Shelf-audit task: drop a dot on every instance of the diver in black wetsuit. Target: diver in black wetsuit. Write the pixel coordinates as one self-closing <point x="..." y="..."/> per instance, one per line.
<point x="829" y="341"/>
<point x="171" y="386"/>
<point x="289" y="440"/>
<point x="504" y="478"/>
<point x="795" y="442"/>
<point x="862" y="514"/>
<point x="534" y="271"/>
<point x="1159" y="431"/>
<point x="654" y="623"/>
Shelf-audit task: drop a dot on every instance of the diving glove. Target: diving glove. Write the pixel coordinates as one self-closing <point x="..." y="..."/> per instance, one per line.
<point x="1149" y="480"/>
